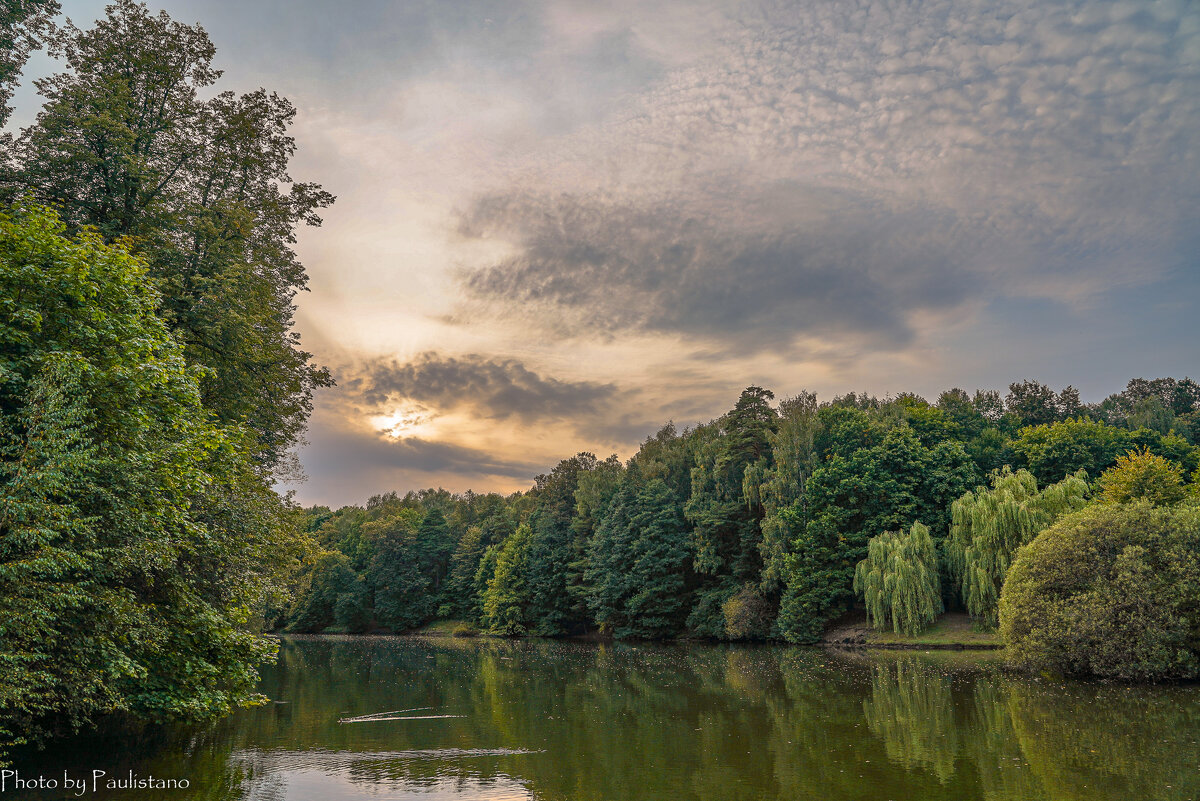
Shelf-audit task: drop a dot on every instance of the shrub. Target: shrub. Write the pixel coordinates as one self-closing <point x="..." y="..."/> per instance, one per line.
<point x="748" y="616"/>
<point x="1112" y="591"/>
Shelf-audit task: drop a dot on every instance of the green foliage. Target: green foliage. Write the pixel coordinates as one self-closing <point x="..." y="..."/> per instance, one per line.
<point x="886" y="487"/>
<point x="402" y="588"/>
<point x="784" y="486"/>
<point x="899" y="581"/>
<point x="556" y="549"/>
<point x="725" y="506"/>
<point x="328" y="583"/>
<point x="748" y="615"/>
<point x="989" y="525"/>
<point x="638" y="567"/>
<point x="506" y="600"/>
<point x="120" y="500"/>
<point x="200" y="189"/>
<point x="1142" y="476"/>
<point x="1109" y="592"/>
<point x="1061" y="449"/>
<point x="24" y="25"/>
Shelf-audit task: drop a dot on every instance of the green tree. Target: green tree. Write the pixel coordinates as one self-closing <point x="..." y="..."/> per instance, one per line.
<point x="1141" y="475"/>
<point x="640" y="560"/>
<point x="731" y="457"/>
<point x="200" y="189"/>
<point x="1053" y="451"/>
<point x="1109" y="592"/>
<point x="989" y="526"/>
<point x="507" y="600"/>
<point x="555" y="549"/>
<point x="794" y="457"/>
<point x="24" y="25"/>
<point x="899" y="580"/>
<point x="464" y="594"/>
<point x="121" y="501"/>
<point x="884" y="487"/>
<point x="329" y="583"/>
<point x="401" y="583"/>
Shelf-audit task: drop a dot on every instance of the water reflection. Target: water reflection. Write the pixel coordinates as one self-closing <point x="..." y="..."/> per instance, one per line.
<point x="579" y="722"/>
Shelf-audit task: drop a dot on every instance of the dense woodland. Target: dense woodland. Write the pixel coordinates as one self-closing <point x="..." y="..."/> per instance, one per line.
<point x="770" y="522"/>
<point x="152" y="389"/>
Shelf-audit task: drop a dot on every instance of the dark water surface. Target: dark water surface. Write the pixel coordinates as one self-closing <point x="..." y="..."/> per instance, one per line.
<point x="582" y="722"/>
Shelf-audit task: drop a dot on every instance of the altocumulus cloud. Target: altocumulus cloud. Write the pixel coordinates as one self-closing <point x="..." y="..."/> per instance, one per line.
<point x="496" y="389"/>
<point x="855" y="171"/>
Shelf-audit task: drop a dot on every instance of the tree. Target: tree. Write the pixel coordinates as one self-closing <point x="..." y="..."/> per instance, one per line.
<point x="464" y="593"/>
<point x="1033" y="403"/>
<point x="24" y="24"/>
<point x="854" y="497"/>
<point x="640" y="560"/>
<point x="330" y="585"/>
<point x="899" y="581"/>
<point x="507" y="599"/>
<point x="989" y="526"/>
<point x="1142" y="476"/>
<point x="401" y="582"/>
<point x="555" y="548"/>
<point x="724" y="507"/>
<point x="200" y="189"/>
<point x="136" y="537"/>
<point x="1061" y="449"/>
<point x="1108" y="592"/>
<point x="783" y="487"/>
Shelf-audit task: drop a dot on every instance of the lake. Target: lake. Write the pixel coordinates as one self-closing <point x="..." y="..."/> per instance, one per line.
<point x="570" y="721"/>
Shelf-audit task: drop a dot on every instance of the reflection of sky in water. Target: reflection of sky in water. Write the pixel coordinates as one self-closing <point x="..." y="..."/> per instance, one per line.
<point x="382" y="776"/>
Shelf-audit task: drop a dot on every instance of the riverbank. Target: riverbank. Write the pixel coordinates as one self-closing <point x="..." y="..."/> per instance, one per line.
<point x="952" y="631"/>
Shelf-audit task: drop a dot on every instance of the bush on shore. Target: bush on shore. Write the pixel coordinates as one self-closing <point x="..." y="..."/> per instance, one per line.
<point x="1112" y="591"/>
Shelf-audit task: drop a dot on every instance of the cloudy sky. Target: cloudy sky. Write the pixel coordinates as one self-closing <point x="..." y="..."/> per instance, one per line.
<point x="560" y="225"/>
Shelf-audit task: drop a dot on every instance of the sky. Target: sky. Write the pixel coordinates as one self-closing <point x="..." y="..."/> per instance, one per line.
<point x="561" y="224"/>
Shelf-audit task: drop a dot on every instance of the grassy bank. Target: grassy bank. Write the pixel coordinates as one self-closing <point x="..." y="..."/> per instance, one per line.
<point x="953" y="630"/>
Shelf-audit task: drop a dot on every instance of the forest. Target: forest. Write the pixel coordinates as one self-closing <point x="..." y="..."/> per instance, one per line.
<point x="773" y="521"/>
<point x="152" y="392"/>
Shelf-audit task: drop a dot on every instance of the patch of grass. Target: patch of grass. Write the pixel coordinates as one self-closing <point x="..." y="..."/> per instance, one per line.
<point x="445" y="628"/>
<point x="950" y="629"/>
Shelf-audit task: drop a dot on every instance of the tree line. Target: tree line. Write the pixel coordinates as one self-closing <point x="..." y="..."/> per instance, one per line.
<point x="770" y="522"/>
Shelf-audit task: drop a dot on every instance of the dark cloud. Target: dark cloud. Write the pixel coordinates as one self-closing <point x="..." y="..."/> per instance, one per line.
<point x="754" y="274"/>
<point x="347" y="465"/>
<point x="498" y="389"/>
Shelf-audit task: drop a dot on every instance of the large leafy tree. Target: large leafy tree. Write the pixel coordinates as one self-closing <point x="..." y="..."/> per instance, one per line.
<point x="899" y="580"/>
<point x="1108" y="592"/>
<point x="23" y="25"/>
<point x="990" y="524"/>
<point x="136" y="536"/>
<point x="639" y="570"/>
<point x="198" y="187"/>
<point x="853" y="497"/>
<point x="1056" y="450"/>
<point x="783" y="487"/>
<point x="555" y="548"/>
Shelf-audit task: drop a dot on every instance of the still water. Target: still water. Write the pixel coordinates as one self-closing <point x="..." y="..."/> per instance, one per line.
<point x="561" y="721"/>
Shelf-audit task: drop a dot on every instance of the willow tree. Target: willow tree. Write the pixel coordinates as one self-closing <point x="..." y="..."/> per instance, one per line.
<point x="899" y="580"/>
<point x="987" y="527"/>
